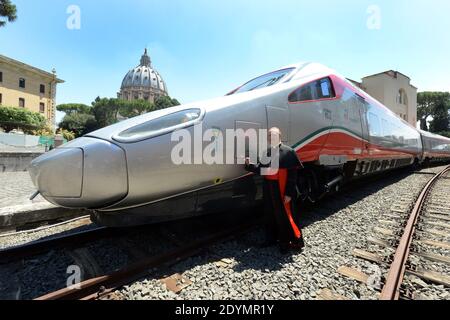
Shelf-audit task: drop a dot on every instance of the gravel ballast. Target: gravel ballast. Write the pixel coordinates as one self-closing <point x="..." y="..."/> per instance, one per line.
<point x="238" y="268"/>
<point x="332" y="229"/>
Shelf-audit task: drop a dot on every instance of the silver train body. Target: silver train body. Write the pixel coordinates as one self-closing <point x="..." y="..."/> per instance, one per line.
<point x="124" y="173"/>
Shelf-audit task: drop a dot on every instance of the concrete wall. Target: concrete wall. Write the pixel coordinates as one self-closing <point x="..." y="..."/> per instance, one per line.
<point x="16" y="161"/>
<point x="19" y="140"/>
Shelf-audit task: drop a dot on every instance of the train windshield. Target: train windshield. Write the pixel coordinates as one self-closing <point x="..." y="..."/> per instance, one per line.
<point x="160" y="125"/>
<point x="266" y="80"/>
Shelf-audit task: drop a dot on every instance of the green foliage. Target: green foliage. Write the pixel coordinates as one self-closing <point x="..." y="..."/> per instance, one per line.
<point x="105" y="111"/>
<point x="444" y="133"/>
<point x="165" y="102"/>
<point x="129" y="109"/>
<point x="82" y="119"/>
<point x="78" y="123"/>
<point x="71" y="108"/>
<point x="7" y="10"/>
<point x="46" y="131"/>
<point x="68" y="135"/>
<point x="13" y="118"/>
<point x="435" y="105"/>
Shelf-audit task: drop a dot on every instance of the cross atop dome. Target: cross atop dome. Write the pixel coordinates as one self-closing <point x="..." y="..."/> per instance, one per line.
<point x="145" y="59"/>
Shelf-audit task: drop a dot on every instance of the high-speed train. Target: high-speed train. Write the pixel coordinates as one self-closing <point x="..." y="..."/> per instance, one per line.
<point x="125" y="175"/>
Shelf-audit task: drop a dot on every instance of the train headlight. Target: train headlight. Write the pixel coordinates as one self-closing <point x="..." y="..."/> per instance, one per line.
<point x="161" y="125"/>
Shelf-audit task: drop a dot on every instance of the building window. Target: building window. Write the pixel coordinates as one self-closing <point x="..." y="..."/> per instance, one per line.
<point x="402" y="98"/>
<point x="1" y="76"/>
<point x="22" y="102"/>
<point x="1" y="98"/>
<point x="41" y="107"/>
<point x="42" y="88"/>
<point x="22" y="83"/>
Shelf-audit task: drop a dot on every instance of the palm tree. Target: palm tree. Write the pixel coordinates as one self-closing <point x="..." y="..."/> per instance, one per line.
<point x="8" y="10"/>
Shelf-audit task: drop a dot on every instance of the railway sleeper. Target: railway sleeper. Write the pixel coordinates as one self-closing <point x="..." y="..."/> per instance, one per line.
<point x="430" y="256"/>
<point x="430" y="276"/>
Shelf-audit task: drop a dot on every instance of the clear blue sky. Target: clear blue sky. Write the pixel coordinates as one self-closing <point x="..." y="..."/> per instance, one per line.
<point x="205" y="48"/>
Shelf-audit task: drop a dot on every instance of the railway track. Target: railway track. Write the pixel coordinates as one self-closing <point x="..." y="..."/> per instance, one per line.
<point x="66" y="241"/>
<point x="435" y="193"/>
<point x="101" y="287"/>
<point x="99" y="283"/>
<point x="411" y="243"/>
<point x="430" y="228"/>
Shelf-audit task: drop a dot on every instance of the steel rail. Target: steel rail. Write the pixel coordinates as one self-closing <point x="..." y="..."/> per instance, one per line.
<point x="59" y="241"/>
<point x="94" y="288"/>
<point x="391" y="288"/>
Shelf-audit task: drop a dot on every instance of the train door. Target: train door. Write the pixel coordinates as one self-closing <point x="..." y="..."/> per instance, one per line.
<point x="236" y="193"/>
<point x="279" y="117"/>
<point x="345" y="140"/>
<point x="362" y="107"/>
<point x="311" y="109"/>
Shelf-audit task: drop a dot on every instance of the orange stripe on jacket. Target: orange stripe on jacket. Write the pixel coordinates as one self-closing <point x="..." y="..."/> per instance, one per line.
<point x="281" y="177"/>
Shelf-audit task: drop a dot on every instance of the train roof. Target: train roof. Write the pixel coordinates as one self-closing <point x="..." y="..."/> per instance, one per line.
<point x="433" y="135"/>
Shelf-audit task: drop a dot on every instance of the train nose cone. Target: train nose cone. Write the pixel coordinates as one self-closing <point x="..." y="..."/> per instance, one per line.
<point x="85" y="173"/>
<point x="59" y="173"/>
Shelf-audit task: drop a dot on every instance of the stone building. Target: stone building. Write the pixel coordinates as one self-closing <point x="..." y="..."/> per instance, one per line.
<point x="25" y="86"/>
<point x="143" y="82"/>
<point x="395" y="91"/>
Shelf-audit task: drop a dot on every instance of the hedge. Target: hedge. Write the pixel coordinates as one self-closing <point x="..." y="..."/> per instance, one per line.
<point x="12" y="117"/>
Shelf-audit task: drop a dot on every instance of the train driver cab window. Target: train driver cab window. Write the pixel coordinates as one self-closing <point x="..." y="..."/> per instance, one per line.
<point x="316" y="90"/>
<point x="263" y="81"/>
<point x="161" y="125"/>
<point x="324" y="90"/>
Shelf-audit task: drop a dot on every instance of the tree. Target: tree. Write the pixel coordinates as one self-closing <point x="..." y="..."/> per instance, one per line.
<point x="71" y="108"/>
<point x="165" y="102"/>
<point x="175" y="102"/>
<point x="12" y="117"/>
<point x="68" y="135"/>
<point x="7" y="10"/>
<point x="129" y="109"/>
<point x="435" y="105"/>
<point x="425" y="107"/>
<point x="106" y="110"/>
<point x="82" y="119"/>
<point x="79" y="123"/>
<point x="441" y="118"/>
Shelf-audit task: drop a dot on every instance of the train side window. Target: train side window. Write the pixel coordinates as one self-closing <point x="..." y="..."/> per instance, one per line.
<point x="304" y="93"/>
<point x="374" y="125"/>
<point x="324" y="89"/>
<point x="317" y="90"/>
<point x="385" y="128"/>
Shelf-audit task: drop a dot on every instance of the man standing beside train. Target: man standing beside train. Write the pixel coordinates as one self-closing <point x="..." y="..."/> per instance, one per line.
<point x="279" y="193"/>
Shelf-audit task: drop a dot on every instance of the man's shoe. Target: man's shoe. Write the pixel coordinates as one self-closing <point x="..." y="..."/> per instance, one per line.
<point x="298" y="245"/>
